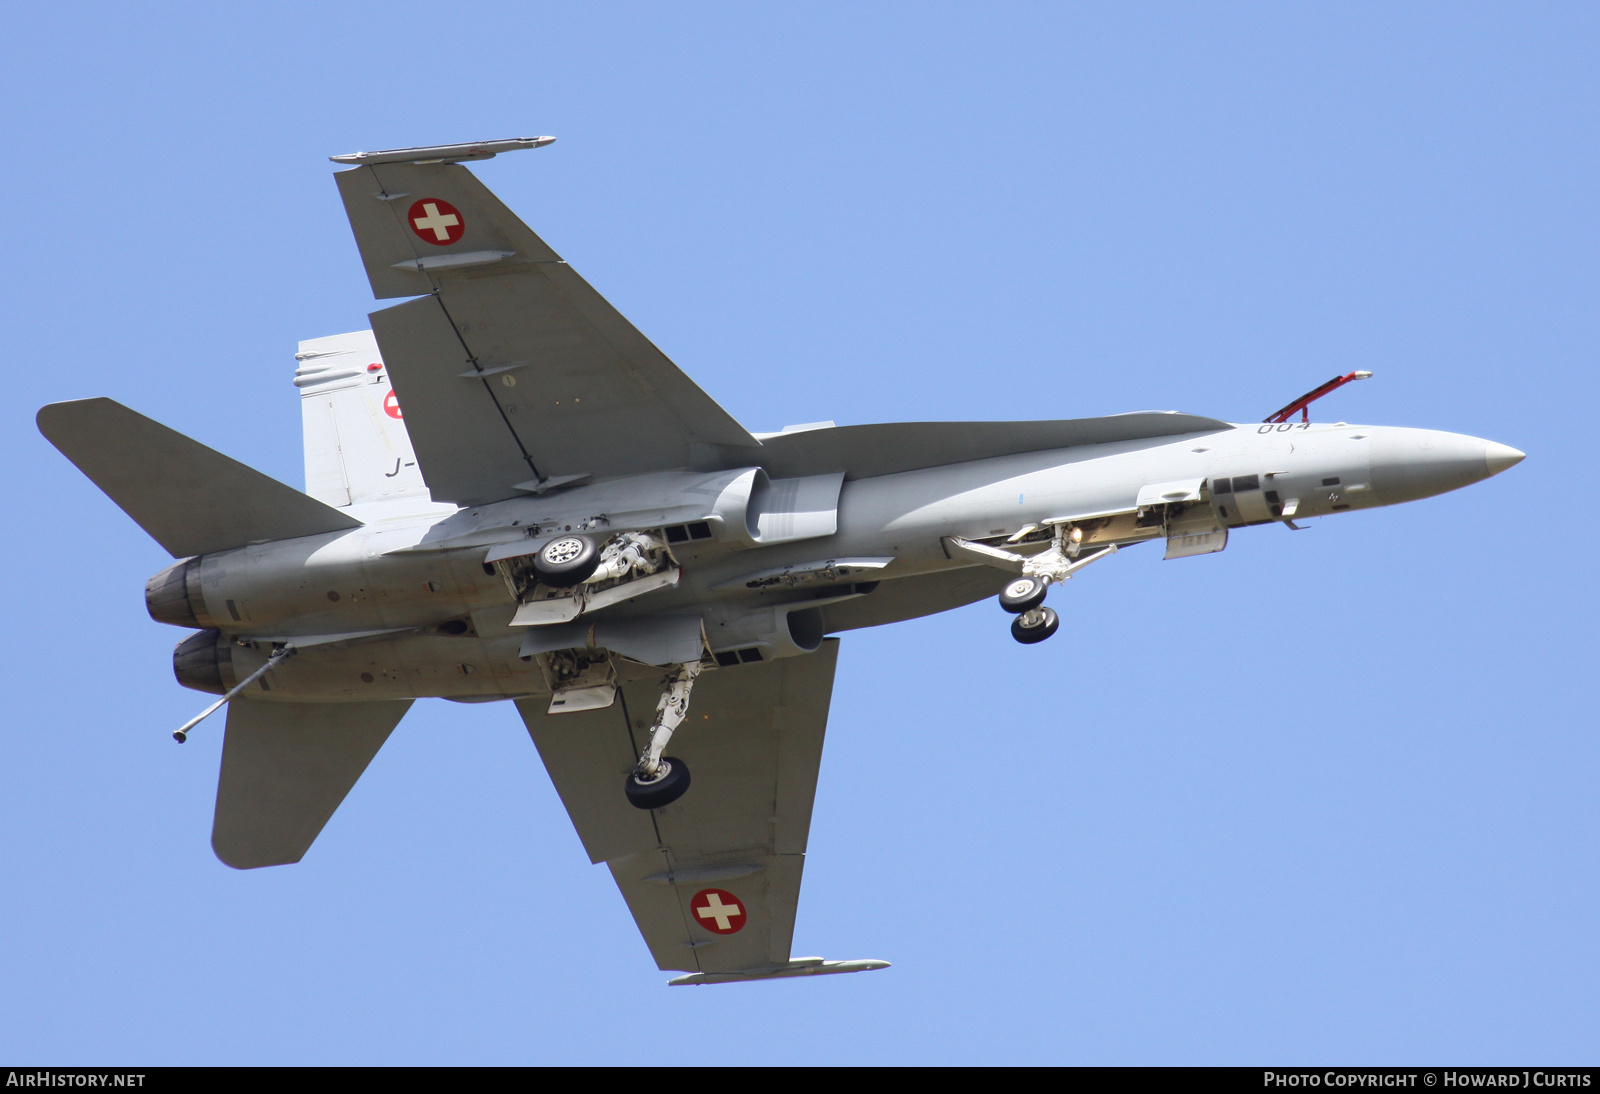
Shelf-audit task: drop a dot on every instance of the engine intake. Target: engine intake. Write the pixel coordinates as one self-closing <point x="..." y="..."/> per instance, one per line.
<point x="783" y="630"/>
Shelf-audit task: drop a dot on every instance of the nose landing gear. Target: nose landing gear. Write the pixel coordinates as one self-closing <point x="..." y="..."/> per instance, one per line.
<point x="1024" y="597"/>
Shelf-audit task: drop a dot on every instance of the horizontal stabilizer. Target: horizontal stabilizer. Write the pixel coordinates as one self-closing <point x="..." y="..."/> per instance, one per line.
<point x="285" y="769"/>
<point x="192" y="500"/>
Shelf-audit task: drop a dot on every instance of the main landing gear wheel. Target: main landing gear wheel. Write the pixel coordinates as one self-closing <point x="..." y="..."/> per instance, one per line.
<point x="1023" y="595"/>
<point x="566" y="561"/>
<point x="670" y="781"/>
<point x="1035" y="626"/>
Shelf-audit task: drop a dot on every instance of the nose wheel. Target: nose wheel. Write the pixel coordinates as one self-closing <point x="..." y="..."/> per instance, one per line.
<point x="1024" y="594"/>
<point x="1035" y="626"/>
<point x="1024" y="598"/>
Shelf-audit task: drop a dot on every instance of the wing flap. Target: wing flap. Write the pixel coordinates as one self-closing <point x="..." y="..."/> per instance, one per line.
<point x="192" y="500"/>
<point x="588" y="754"/>
<point x="285" y="769"/>
<point x="467" y="450"/>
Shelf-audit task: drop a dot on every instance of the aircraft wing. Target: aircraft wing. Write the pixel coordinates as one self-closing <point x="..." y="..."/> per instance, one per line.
<point x="510" y="369"/>
<point x="713" y="880"/>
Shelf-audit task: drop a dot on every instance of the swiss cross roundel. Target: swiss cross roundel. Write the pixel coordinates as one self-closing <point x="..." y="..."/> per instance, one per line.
<point x="391" y="406"/>
<point x="717" y="910"/>
<point x="438" y="222"/>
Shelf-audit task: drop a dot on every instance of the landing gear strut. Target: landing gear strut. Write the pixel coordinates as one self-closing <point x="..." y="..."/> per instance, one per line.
<point x="660" y="780"/>
<point x="1024" y="597"/>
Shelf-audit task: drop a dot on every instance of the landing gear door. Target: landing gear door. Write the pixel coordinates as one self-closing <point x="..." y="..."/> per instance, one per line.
<point x="1184" y="545"/>
<point x="1191" y="525"/>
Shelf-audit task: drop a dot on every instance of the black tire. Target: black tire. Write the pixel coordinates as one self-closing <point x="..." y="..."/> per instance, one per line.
<point x="672" y="779"/>
<point x="1023" y="595"/>
<point x="1048" y="623"/>
<point x="566" y="560"/>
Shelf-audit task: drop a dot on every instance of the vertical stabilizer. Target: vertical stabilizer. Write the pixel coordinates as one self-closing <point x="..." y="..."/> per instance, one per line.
<point x="357" y="450"/>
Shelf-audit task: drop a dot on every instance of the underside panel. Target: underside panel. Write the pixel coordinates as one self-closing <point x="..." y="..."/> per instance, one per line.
<point x="913" y="597"/>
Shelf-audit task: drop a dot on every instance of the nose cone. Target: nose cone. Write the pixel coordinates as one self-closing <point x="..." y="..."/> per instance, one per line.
<point x="1498" y="457"/>
<point x="1417" y="463"/>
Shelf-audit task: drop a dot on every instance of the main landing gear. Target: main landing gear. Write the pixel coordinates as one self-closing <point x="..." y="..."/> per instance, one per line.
<point x="659" y="780"/>
<point x="666" y="786"/>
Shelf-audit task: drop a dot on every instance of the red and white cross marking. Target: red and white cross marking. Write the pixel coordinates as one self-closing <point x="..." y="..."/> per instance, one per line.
<point x="717" y="910"/>
<point x="437" y="222"/>
<point x="391" y="406"/>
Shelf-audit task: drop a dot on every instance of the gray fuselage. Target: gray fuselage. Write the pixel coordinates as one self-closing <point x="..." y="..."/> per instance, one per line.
<point x="407" y="606"/>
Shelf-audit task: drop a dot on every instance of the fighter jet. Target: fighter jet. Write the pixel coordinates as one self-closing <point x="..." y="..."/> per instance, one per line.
<point x="512" y="494"/>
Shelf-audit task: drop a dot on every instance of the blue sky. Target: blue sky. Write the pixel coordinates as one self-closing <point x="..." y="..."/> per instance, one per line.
<point x="1323" y="797"/>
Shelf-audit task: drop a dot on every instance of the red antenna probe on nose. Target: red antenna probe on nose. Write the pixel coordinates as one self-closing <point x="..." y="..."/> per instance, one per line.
<point x="1303" y="403"/>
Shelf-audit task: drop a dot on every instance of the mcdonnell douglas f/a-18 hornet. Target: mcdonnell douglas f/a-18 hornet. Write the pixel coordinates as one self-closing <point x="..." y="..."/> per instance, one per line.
<point x="562" y="518"/>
